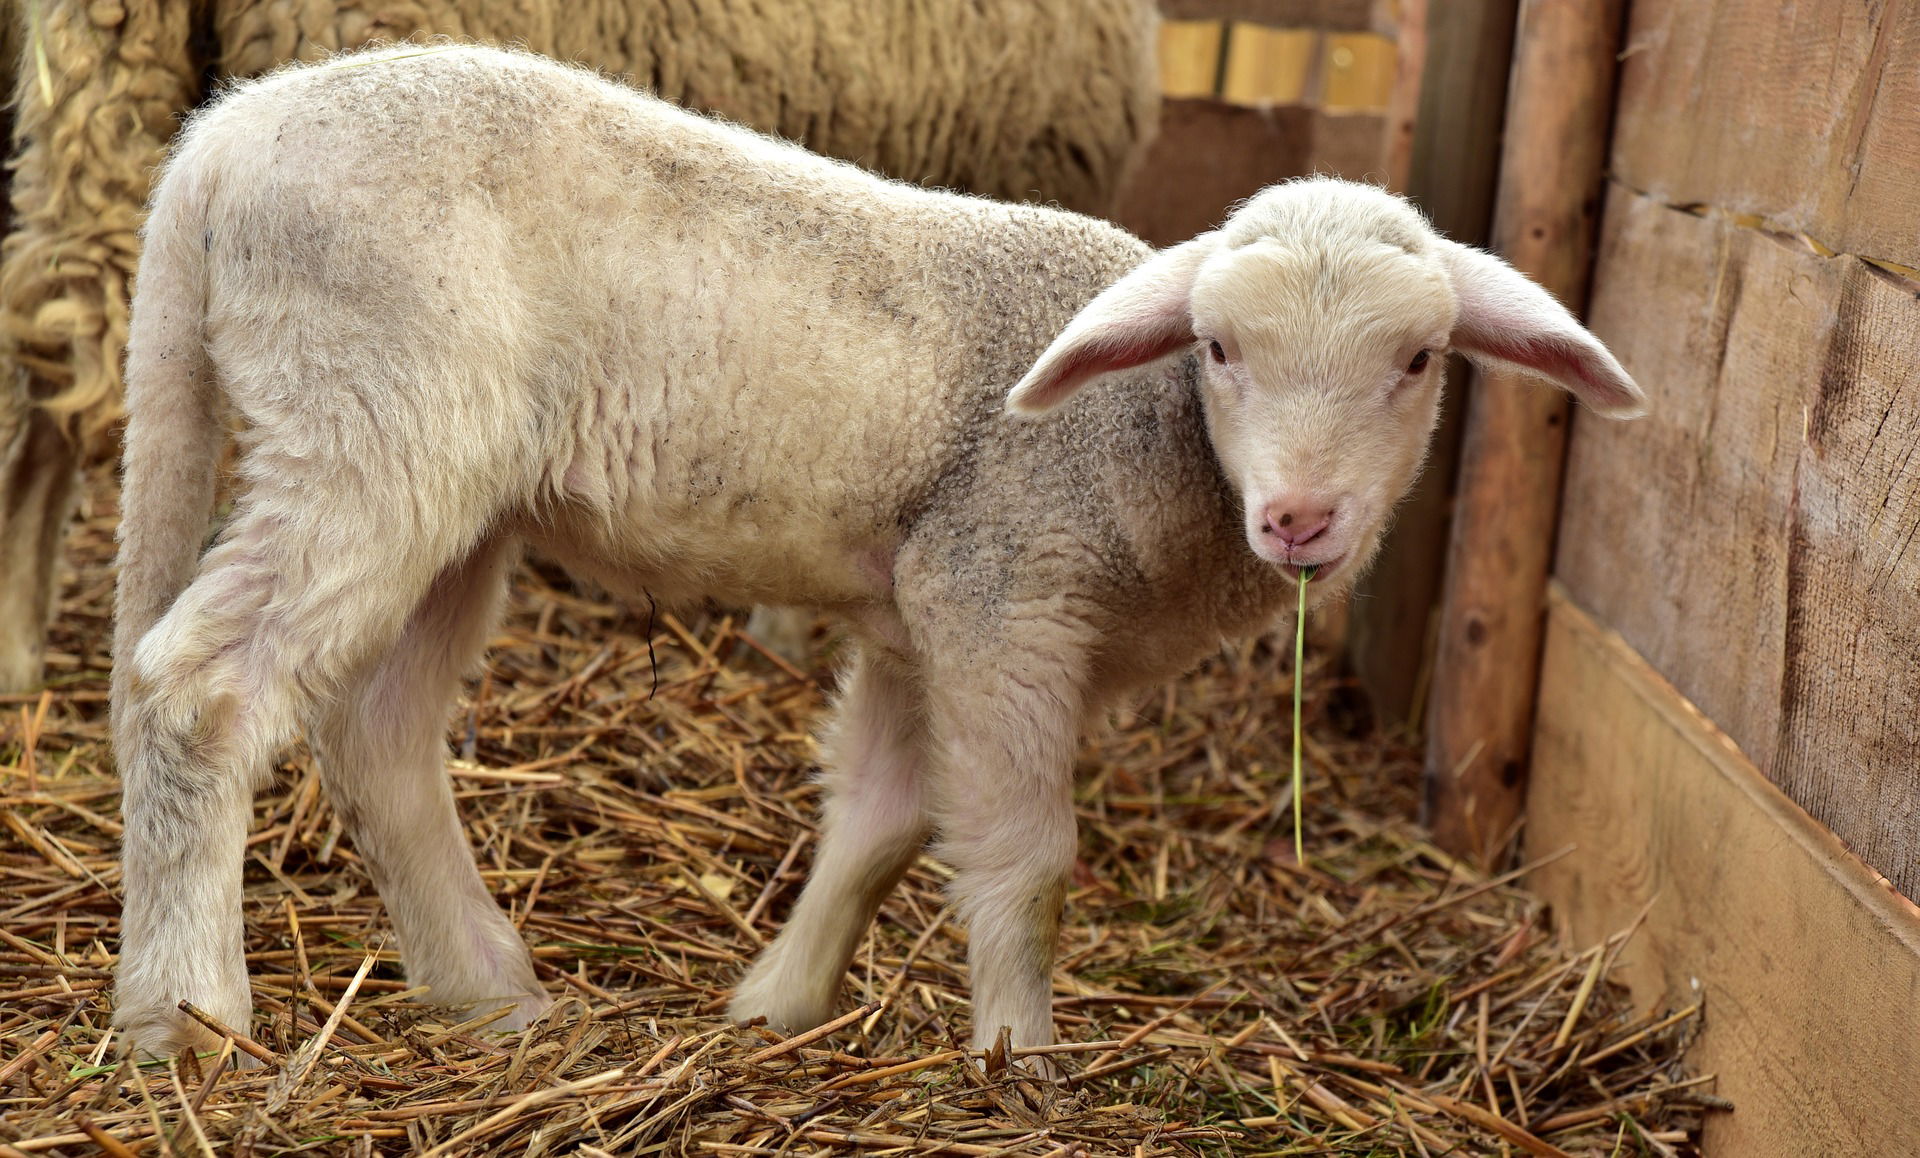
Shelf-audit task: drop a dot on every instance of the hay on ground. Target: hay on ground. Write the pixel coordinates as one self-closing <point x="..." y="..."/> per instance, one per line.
<point x="1213" y="995"/>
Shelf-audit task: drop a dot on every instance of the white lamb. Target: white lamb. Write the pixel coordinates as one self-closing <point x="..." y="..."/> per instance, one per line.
<point x="464" y="300"/>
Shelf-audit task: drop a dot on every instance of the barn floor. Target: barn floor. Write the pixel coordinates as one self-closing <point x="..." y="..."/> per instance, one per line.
<point x="1216" y="996"/>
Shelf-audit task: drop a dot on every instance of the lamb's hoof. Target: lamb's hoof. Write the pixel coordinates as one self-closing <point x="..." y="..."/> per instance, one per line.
<point x="156" y="1035"/>
<point x="781" y="1012"/>
<point x="527" y="1008"/>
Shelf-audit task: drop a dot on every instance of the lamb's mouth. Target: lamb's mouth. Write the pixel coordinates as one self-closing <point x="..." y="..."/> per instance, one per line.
<point x="1315" y="571"/>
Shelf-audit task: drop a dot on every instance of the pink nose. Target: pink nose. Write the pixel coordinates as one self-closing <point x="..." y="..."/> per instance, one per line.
<point x="1295" y="520"/>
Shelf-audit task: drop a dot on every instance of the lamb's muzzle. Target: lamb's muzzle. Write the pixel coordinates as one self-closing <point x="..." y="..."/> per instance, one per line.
<point x="689" y="361"/>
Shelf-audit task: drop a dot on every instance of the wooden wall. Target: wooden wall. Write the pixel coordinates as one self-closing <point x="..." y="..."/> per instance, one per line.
<point x="1757" y="538"/>
<point x="1805" y="964"/>
<point x="1728" y="729"/>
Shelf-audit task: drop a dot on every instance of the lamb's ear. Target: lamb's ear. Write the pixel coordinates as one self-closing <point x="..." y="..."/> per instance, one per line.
<point x="1507" y="322"/>
<point x="1141" y="318"/>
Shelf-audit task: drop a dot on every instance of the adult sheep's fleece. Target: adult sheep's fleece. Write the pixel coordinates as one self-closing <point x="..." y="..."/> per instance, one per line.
<point x="1006" y="98"/>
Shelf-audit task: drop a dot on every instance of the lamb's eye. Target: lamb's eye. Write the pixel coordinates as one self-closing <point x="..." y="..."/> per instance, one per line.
<point x="1419" y="362"/>
<point x="1219" y="353"/>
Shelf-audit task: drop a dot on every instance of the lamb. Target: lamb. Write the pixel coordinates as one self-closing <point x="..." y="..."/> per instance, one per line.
<point x="1005" y="98"/>
<point x="535" y="307"/>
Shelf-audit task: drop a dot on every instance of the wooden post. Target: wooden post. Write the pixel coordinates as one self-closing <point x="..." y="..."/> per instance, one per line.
<point x="1559" y="108"/>
<point x="1403" y="107"/>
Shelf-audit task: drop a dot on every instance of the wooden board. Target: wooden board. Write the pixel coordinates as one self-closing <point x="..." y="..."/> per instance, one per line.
<point x="1513" y="444"/>
<point x="1270" y="65"/>
<point x="1210" y="154"/>
<point x="1808" y="964"/>
<point x="1806" y="114"/>
<point x="1755" y="536"/>
<point x="1358" y="72"/>
<point x="1329" y="15"/>
<point x="1348" y="72"/>
<point x="1190" y="57"/>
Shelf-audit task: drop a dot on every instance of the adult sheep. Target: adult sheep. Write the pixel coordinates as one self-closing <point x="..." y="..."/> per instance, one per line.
<point x="640" y="322"/>
<point x="1005" y="98"/>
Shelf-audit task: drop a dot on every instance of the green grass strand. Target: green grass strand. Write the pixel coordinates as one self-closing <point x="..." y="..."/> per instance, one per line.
<point x="1299" y="658"/>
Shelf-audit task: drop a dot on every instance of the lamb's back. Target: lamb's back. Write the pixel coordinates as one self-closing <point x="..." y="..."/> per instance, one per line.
<point x="708" y="329"/>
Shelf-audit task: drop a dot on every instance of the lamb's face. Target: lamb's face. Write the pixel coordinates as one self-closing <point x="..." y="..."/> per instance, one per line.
<point x="1322" y="369"/>
<point x="1320" y="312"/>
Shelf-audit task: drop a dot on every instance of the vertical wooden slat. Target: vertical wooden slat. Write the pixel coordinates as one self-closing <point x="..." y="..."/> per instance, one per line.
<point x="1488" y="659"/>
<point x="1403" y="101"/>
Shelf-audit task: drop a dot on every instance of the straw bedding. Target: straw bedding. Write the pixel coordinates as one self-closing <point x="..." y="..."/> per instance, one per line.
<point x="1213" y="995"/>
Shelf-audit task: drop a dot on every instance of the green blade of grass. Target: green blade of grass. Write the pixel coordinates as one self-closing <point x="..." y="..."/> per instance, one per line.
<point x="1299" y="657"/>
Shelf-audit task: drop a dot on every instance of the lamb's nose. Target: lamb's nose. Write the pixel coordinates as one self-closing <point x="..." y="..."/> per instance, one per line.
<point x="1295" y="520"/>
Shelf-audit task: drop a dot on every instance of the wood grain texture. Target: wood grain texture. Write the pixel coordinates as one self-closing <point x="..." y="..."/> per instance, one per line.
<point x="1754" y="537"/>
<point x="1210" y="154"/>
<point x="1807" y="962"/>
<point x="1407" y="86"/>
<point x="1807" y="115"/>
<point x="1508" y="497"/>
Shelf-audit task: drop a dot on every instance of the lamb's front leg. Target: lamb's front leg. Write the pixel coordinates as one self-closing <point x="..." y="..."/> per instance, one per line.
<point x="873" y="827"/>
<point x="1004" y="735"/>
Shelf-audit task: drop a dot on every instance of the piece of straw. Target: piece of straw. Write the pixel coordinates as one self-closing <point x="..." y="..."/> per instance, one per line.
<point x="1299" y="661"/>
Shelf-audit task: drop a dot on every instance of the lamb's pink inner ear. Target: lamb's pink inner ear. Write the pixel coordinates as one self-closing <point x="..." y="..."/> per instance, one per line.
<point x="1054" y="379"/>
<point x="1141" y="318"/>
<point x="1509" y="321"/>
<point x="1548" y="356"/>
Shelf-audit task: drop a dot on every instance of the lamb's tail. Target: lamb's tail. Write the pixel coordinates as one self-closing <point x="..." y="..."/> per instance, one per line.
<point x="175" y="420"/>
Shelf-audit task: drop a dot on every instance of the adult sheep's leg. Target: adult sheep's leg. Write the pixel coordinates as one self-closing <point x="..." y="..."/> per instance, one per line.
<point x="39" y="477"/>
<point x="381" y="746"/>
<point x="1005" y="722"/>
<point x="293" y="601"/>
<point x="873" y="826"/>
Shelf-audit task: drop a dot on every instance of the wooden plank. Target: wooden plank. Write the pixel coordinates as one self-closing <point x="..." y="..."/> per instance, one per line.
<point x="1210" y="154"/>
<point x="1326" y="15"/>
<point x="1462" y="102"/>
<point x="1190" y="57"/>
<point x="1807" y="963"/>
<point x="1358" y="72"/>
<point x="1807" y="115"/>
<point x="1509" y="494"/>
<point x="1754" y="537"/>
<point x="1351" y="72"/>
<point x="1403" y="101"/>
<point x="1269" y="65"/>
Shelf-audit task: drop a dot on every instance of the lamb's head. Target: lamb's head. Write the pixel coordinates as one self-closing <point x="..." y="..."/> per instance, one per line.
<point x="1319" y="315"/>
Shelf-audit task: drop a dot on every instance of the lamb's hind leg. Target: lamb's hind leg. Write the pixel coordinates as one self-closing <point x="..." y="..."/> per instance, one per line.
<point x="381" y="746"/>
<point x="873" y="826"/>
<point x="292" y="601"/>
